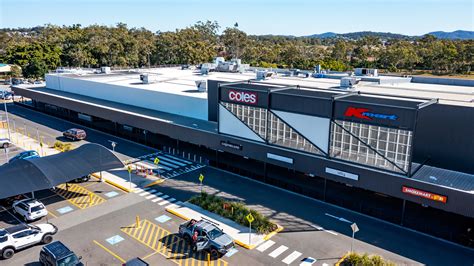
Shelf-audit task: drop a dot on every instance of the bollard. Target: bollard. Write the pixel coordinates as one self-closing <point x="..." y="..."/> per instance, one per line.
<point x="137" y="222"/>
<point x="208" y="259"/>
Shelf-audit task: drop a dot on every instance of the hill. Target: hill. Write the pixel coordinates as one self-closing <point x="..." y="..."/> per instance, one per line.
<point x="458" y="35"/>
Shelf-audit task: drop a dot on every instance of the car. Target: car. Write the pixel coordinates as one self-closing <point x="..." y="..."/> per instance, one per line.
<point x="22" y="236"/>
<point x="29" y="209"/>
<point x="24" y="155"/>
<point x="5" y="143"/>
<point x="8" y="202"/>
<point x="209" y="237"/>
<point x="75" y="134"/>
<point x="82" y="179"/>
<point x="56" y="254"/>
<point x="135" y="262"/>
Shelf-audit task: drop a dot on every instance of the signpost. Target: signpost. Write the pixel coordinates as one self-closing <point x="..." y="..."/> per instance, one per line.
<point x="129" y="168"/>
<point x="113" y="143"/>
<point x="156" y="162"/>
<point x="250" y="219"/>
<point x="355" y="229"/>
<point x="201" y="178"/>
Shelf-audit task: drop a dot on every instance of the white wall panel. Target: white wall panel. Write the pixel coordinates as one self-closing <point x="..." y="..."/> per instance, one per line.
<point x="151" y="99"/>
<point x="231" y="125"/>
<point x="315" y="129"/>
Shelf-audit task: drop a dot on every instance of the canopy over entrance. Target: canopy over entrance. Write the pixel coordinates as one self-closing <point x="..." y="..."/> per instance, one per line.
<point x="22" y="176"/>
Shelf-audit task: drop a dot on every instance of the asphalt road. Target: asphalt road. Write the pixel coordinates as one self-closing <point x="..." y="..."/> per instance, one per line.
<point x="312" y="228"/>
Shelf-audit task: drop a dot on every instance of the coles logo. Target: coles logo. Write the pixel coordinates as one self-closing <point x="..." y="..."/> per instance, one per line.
<point x="365" y="113"/>
<point x="243" y="97"/>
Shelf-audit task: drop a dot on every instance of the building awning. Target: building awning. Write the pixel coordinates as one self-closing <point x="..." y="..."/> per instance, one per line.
<point x="23" y="176"/>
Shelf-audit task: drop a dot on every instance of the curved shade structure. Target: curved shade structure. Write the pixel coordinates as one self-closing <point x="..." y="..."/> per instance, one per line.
<point x="22" y="176"/>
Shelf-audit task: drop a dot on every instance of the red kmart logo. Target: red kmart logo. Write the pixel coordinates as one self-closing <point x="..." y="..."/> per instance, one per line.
<point x="365" y="113"/>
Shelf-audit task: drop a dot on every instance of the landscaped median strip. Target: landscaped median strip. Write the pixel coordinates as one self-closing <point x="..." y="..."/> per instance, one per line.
<point x="115" y="184"/>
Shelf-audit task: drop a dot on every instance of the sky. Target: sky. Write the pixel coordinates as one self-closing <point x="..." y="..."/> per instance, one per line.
<point x="279" y="17"/>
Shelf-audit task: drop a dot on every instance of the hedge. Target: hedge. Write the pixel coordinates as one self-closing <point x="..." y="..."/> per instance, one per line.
<point x="61" y="146"/>
<point x="354" y="259"/>
<point x="235" y="211"/>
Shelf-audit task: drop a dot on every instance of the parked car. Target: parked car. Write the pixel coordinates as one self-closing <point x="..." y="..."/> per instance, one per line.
<point x="209" y="237"/>
<point x="24" y="155"/>
<point x="308" y="261"/>
<point x="5" y="143"/>
<point x="8" y="202"/>
<point x="29" y="209"/>
<point x="58" y="254"/>
<point x="23" y="236"/>
<point x="6" y="95"/>
<point x="82" y="179"/>
<point x="75" y="134"/>
<point x="135" y="262"/>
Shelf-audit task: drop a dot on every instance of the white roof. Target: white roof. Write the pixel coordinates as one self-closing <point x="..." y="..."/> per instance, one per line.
<point x="182" y="82"/>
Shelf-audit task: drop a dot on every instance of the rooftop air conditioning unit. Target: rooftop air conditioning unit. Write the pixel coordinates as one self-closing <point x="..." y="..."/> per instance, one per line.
<point x="201" y="85"/>
<point x="265" y="74"/>
<point x="147" y="78"/>
<point x="105" y="70"/>
<point x="349" y="82"/>
<point x="366" y="72"/>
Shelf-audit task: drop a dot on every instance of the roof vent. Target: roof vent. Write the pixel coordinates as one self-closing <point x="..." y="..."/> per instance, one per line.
<point x="105" y="70"/>
<point x="201" y="85"/>
<point x="349" y="82"/>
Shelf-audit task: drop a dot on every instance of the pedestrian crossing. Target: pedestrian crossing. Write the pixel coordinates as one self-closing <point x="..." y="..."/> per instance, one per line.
<point x="157" y="197"/>
<point x="169" y="166"/>
<point x="280" y="252"/>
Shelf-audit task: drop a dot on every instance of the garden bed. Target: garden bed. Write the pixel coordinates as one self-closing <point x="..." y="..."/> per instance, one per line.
<point x="235" y="211"/>
<point x="354" y="259"/>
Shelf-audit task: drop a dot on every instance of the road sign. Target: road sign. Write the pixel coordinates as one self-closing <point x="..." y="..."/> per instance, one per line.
<point x="129" y="168"/>
<point x="354" y="227"/>
<point x="156" y="161"/>
<point x="201" y="178"/>
<point x="250" y="218"/>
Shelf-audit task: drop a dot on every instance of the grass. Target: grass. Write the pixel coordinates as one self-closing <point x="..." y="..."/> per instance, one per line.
<point x="354" y="259"/>
<point x="235" y="211"/>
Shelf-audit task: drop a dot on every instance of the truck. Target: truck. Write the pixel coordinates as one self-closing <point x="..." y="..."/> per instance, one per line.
<point x="209" y="237"/>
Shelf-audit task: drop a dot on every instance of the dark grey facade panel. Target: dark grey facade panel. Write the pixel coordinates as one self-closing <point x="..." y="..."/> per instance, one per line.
<point x="212" y="100"/>
<point x="402" y="118"/>
<point x="445" y="136"/>
<point x="301" y="104"/>
<point x="367" y="99"/>
<point x="370" y="179"/>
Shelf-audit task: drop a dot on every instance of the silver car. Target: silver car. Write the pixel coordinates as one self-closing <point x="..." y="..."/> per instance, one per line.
<point x="209" y="237"/>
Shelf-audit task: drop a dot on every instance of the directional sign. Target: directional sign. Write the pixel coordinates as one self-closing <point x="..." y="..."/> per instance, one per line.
<point x="354" y="227"/>
<point x="129" y="168"/>
<point x="201" y="177"/>
<point x="156" y="161"/>
<point x="250" y="218"/>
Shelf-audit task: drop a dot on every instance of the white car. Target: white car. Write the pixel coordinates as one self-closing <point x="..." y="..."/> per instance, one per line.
<point x="308" y="261"/>
<point x="5" y="143"/>
<point x="30" y="209"/>
<point x="23" y="235"/>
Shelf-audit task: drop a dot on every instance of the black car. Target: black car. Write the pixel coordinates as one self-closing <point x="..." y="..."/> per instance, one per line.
<point x="135" y="262"/>
<point x="56" y="253"/>
<point x="82" y="179"/>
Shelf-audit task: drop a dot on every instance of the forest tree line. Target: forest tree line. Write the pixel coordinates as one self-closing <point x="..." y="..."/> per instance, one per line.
<point x="40" y="49"/>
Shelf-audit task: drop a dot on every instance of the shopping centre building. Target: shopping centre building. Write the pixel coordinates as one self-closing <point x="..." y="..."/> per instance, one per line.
<point x="395" y="148"/>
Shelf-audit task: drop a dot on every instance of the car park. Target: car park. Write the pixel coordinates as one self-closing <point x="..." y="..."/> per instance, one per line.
<point x="5" y="143"/>
<point x="209" y="237"/>
<point x="25" y="155"/>
<point x="58" y="254"/>
<point x="23" y="236"/>
<point x="30" y="209"/>
<point x="75" y="134"/>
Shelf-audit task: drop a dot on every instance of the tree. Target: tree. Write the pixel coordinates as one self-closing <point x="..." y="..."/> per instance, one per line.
<point x="235" y="42"/>
<point x="15" y="71"/>
<point x="36" y="68"/>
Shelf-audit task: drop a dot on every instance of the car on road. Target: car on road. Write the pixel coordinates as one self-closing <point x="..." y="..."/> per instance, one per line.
<point x="75" y="134"/>
<point x="5" y="143"/>
<point x="22" y="236"/>
<point x="25" y="155"/>
<point x="58" y="254"/>
<point x="209" y="237"/>
<point x="29" y="209"/>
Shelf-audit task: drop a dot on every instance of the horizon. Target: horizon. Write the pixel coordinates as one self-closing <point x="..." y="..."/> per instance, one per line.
<point x="404" y="18"/>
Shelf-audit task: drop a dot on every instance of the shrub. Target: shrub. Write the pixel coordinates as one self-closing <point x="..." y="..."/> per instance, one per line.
<point x="354" y="259"/>
<point x="61" y="146"/>
<point x="235" y="211"/>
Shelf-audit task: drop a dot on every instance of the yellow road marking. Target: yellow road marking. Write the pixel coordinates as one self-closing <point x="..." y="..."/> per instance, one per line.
<point x="79" y="196"/>
<point x="49" y="212"/>
<point x="110" y="252"/>
<point x="167" y="244"/>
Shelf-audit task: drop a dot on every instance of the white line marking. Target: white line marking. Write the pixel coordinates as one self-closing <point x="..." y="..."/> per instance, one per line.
<point x="158" y="193"/>
<point x="163" y="202"/>
<point x="164" y="196"/>
<point x="150" y="197"/>
<point x="293" y="256"/>
<point x="157" y="199"/>
<point x="144" y="193"/>
<point x="278" y="251"/>
<point x="138" y="190"/>
<point x="179" y="203"/>
<point x="331" y="232"/>
<point x="171" y="200"/>
<point x="151" y="190"/>
<point x="322" y="229"/>
<point x="342" y="219"/>
<point x="265" y="245"/>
